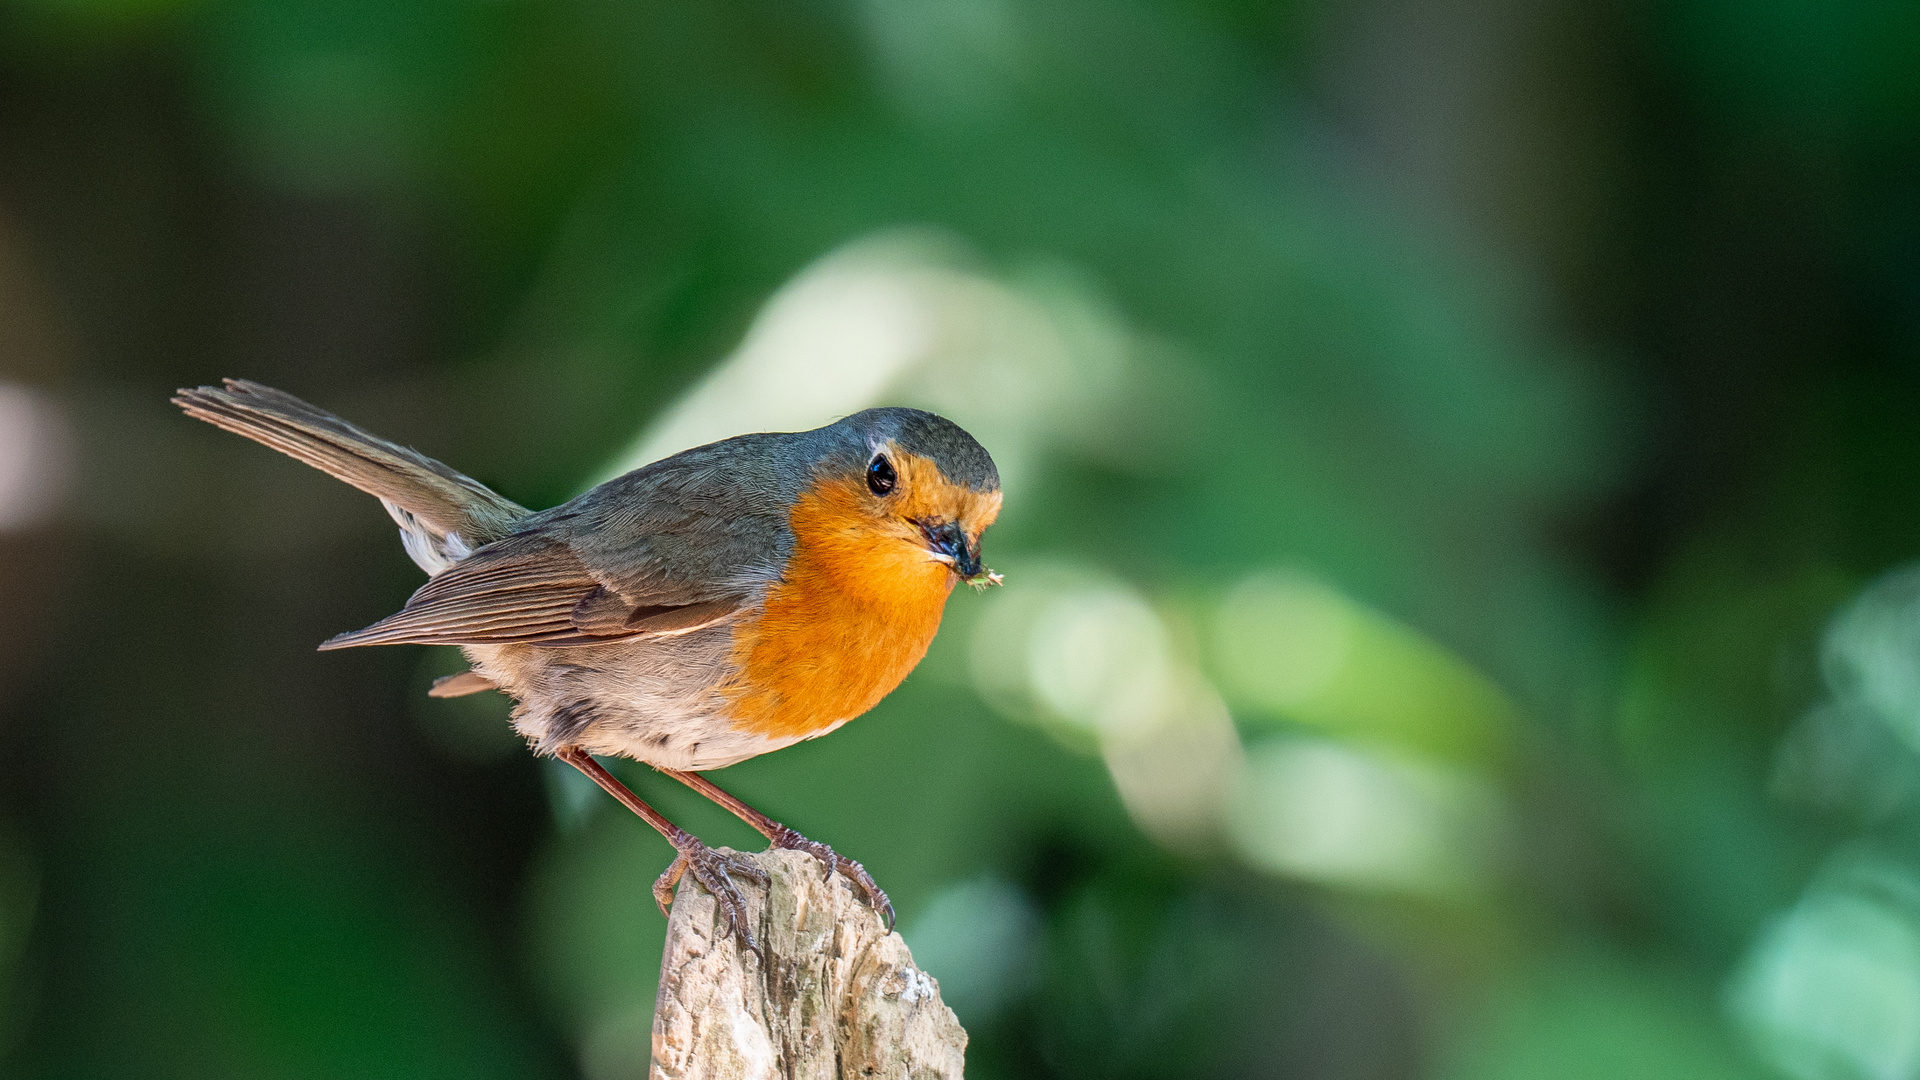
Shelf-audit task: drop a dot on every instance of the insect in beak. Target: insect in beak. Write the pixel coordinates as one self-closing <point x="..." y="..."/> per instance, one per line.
<point x="948" y="544"/>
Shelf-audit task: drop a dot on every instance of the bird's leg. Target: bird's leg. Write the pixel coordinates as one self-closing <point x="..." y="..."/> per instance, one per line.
<point x="709" y="867"/>
<point x="781" y="836"/>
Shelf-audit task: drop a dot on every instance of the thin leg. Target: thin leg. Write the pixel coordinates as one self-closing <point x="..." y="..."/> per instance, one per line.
<point x="783" y="837"/>
<point x="709" y="867"/>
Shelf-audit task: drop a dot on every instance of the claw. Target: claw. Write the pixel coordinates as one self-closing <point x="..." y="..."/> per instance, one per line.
<point x="714" y="871"/>
<point x="835" y="862"/>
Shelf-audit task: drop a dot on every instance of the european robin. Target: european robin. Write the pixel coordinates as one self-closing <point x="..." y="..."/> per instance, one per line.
<point x="710" y="607"/>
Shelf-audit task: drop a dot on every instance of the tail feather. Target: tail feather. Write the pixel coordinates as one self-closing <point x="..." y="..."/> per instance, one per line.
<point x="442" y="514"/>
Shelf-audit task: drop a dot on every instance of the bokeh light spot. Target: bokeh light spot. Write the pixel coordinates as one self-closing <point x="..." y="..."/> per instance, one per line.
<point x="1282" y="637"/>
<point x="980" y="937"/>
<point x="34" y="456"/>
<point x="1327" y="812"/>
<point x="1831" y="990"/>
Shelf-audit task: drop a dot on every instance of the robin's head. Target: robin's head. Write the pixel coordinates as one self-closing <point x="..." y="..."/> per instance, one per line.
<point x="917" y="483"/>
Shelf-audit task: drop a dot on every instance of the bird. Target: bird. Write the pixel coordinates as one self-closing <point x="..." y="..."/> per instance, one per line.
<point x="715" y="605"/>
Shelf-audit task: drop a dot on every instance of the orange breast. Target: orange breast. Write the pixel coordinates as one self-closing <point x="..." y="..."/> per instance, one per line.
<point x="852" y="615"/>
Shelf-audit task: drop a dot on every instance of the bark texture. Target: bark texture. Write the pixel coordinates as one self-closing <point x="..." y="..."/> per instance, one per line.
<point x="837" y="997"/>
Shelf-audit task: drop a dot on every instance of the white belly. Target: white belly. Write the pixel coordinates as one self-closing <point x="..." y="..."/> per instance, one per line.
<point x="650" y="699"/>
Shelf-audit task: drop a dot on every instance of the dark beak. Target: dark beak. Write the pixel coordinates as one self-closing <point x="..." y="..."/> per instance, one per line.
<point x="948" y="539"/>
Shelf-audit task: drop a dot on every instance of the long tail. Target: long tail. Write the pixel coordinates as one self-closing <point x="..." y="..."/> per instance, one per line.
<point x="443" y="515"/>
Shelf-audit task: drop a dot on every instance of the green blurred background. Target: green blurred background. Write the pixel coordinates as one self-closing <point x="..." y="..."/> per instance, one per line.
<point x="1460" y="462"/>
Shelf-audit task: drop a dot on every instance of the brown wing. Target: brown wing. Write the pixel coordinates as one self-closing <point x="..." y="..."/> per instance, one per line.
<point x="532" y="592"/>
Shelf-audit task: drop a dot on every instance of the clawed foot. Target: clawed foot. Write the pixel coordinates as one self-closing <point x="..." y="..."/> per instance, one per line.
<point x="714" y="871"/>
<point x="792" y="841"/>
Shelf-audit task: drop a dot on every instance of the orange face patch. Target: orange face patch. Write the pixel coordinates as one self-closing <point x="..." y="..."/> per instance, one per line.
<point x="859" y="602"/>
<point x="925" y="494"/>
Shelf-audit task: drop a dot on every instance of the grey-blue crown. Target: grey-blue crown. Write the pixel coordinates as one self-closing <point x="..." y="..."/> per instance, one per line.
<point x="959" y="455"/>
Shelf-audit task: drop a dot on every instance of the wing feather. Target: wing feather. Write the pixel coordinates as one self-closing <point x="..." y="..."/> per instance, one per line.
<point x="671" y="547"/>
<point x="531" y="590"/>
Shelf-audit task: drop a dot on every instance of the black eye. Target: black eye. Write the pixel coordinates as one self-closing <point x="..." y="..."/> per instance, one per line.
<point x="880" y="478"/>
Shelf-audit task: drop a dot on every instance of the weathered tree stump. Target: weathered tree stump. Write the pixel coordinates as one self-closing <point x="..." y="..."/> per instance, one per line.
<point x="837" y="996"/>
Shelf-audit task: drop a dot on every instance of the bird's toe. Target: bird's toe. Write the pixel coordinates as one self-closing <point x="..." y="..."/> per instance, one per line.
<point x="789" y="840"/>
<point x="714" y="871"/>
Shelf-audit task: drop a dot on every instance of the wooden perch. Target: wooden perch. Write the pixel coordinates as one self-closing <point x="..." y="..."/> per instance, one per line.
<point x="837" y="997"/>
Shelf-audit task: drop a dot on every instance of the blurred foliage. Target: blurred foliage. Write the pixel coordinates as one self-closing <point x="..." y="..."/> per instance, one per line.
<point x="1459" y="461"/>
